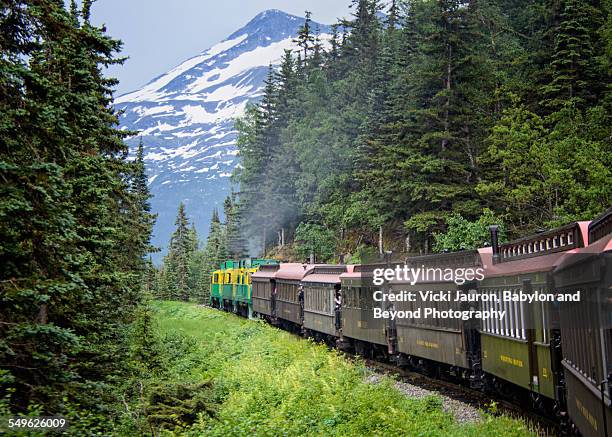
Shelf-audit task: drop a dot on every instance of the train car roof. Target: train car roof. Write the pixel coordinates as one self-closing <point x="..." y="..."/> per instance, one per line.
<point x="291" y="271"/>
<point x="447" y="260"/>
<point x="600" y="246"/>
<point x="266" y="272"/>
<point x="541" y="252"/>
<point x="542" y="263"/>
<point x="326" y="273"/>
<point x="601" y="227"/>
<point x="363" y="270"/>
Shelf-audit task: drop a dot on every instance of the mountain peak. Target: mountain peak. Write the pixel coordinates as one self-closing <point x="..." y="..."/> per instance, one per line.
<point x="272" y="13"/>
<point x="185" y="117"/>
<point x="271" y="22"/>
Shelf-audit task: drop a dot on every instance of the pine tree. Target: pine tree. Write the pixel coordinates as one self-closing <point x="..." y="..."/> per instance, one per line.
<point x="141" y="218"/>
<point x="215" y="252"/>
<point x="68" y="287"/>
<point x="575" y="72"/>
<point x="234" y="237"/>
<point x="305" y="39"/>
<point x="177" y="261"/>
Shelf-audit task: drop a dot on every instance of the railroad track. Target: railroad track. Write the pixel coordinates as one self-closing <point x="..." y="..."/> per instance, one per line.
<point x="486" y="402"/>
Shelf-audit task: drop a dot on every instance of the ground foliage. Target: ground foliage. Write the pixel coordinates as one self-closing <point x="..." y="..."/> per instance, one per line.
<point x="436" y="110"/>
<point x="224" y="375"/>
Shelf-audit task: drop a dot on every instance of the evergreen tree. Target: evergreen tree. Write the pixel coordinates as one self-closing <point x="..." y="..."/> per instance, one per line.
<point x="141" y="218"/>
<point x="234" y="238"/>
<point x="69" y="289"/>
<point x="575" y="71"/>
<point x="215" y="252"/>
<point x="305" y="39"/>
<point x="177" y="262"/>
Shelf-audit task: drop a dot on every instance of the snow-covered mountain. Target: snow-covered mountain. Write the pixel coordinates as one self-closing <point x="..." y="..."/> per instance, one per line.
<point x="185" y="118"/>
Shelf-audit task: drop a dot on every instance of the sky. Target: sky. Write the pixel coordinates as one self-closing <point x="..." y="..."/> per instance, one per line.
<point x="158" y="35"/>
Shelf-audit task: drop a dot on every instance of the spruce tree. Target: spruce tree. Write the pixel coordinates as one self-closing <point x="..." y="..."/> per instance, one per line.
<point x="305" y="39"/>
<point x="177" y="261"/>
<point x="214" y="253"/>
<point x="68" y="287"/>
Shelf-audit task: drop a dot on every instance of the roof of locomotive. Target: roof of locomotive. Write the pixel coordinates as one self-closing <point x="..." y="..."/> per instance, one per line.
<point x="326" y="273"/>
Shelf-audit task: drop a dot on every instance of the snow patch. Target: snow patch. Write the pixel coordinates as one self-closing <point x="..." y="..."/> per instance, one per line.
<point x="151" y="91"/>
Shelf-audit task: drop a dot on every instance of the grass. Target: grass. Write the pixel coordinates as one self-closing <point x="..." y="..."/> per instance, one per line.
<point x="267" y="382"/>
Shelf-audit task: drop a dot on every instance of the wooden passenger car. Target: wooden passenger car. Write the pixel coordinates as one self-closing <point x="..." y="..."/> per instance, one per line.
<point x="444" y="340"/>
<point x="321" y="286"/>
<point x="288" y="306"/>
<point x="263" y="284"/>
<point x="523" y="349"/>
<point x="586" y="330"/>
<point x="367" y="334"/>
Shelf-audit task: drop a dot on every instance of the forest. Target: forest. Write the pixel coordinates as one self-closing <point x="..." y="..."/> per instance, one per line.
<point x="426" y="121"/>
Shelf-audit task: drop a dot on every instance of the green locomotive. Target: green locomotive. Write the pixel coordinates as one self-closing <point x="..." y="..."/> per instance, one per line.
<point x="231" y="287"/>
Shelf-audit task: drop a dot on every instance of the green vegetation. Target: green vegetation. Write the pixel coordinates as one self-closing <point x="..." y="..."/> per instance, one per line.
<point x="223" y="375"/>
<point x="443" y="108"/>
<point x="75" y="219"/>
<point x="462" y="234"/>
<point x="186" y="270"/>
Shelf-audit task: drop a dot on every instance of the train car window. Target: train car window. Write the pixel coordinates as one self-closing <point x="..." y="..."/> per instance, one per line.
<point x="494" y="321"/>
<point x="485" y="322"/>
<point x="544" y="324"/>
<point x="517" y="319"/>
<point x="500" y="323"/>
<point x="507" y="327"/>
<point x="491" y="322"/>
<point x="607" y="336"/>
<point x="522" y="315"/>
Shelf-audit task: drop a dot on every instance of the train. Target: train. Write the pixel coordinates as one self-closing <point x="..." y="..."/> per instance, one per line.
<point x="555" y="357"/>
